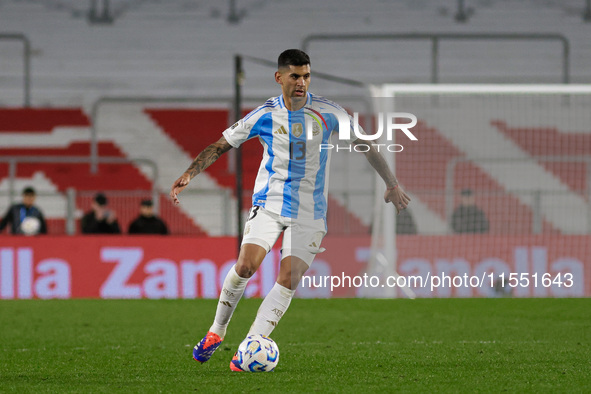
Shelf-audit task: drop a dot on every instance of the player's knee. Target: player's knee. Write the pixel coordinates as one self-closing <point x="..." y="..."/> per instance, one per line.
<point x="289" y="283"/>
<point x="289" y="279"/>
<point x="246" y="267"/>
<point x="245" y="270"/>
<point x="291" y="271"/>
<point x="249" y="260"/>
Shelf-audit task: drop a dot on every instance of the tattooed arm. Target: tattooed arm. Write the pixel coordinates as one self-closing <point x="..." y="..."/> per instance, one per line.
<point x="394" y="192"/>
<point x="206" y="158"/>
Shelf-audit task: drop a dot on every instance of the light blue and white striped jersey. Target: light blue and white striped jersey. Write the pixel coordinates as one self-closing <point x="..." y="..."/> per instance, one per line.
<point x="293" y="176"/>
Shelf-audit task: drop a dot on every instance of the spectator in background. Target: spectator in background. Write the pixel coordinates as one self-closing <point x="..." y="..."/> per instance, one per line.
<point x="405" y="223"/>
<point x="467" y="217"/>
<point x="25" y="217"/>
<point x="147" y="222"/>
<point x="100" y="220"/>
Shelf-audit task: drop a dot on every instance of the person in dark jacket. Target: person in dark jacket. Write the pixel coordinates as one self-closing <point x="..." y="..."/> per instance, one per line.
<point x="147" y="222"/>
<point x="100" y="220"/>
<point x="467" y="217"/>
<point x="405" y="224"/>
<point x="19" y="213"/>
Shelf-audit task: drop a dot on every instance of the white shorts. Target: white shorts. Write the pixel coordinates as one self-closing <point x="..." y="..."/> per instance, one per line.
<point x="301" y="237"/>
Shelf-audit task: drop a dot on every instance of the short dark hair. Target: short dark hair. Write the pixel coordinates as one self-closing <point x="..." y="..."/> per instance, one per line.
<point x="29" y="191"/>
<point x="466" y="192"/>
<point x="146" y="203"/>
<point x="101" y="199"/>
<point x="293" y="57"/>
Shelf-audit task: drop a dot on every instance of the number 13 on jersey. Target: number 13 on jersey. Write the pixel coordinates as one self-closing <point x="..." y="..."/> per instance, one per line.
<point x="297" y="150"/>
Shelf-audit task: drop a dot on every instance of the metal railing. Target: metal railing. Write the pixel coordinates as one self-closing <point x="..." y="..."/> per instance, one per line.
<point x="356" y="204"/>
<point x="94" y="113"/>
<point x="26" y="63"/>
<point x="435" y="38"/>
<point x="63" y="210"/>
<point x="13" y="162"/>
<point x="217" y="216"/>
<point x="227" y="100"/>
<point x="536" y="194"/>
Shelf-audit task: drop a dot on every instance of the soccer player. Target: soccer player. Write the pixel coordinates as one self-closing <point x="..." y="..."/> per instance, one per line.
<point x="289" y="197"/>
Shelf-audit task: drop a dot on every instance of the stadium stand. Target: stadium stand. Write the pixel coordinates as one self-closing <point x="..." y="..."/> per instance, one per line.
<point x="556" y="143"/>
<point x="506" y="213"/>
<point x="58" y="133"/>
<point x="40" y="120"/>
<point x="75" y="64"/>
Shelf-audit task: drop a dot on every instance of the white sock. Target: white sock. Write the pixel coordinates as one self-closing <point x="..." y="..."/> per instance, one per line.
<point x="271" y="310"/>
<point x="230" y="294"/>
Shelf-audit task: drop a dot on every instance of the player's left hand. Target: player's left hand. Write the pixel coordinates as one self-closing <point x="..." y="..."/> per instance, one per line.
<point x="178" y="186"/>
<point x="398" y="197"/>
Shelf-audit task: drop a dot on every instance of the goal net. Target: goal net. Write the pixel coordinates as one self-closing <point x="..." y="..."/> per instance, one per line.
<point x="500" y="181"/>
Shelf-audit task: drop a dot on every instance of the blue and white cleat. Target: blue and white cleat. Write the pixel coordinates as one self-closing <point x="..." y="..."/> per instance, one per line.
<point x="204" y="349"/>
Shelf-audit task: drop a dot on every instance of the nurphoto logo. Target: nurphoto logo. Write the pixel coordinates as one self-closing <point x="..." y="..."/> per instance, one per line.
<point x="387" y="123"/>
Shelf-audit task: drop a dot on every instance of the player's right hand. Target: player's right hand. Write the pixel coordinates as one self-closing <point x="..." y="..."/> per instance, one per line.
<point x="178" y="186"/>
<point x="398" y="197"/>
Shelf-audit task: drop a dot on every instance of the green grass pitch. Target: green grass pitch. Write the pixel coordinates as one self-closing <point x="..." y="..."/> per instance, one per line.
<point x="341" y="345"/>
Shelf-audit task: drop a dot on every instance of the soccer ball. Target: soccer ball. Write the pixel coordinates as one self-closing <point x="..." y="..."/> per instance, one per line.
<point x="258" y="353"/>
<point x="30" y="225"/>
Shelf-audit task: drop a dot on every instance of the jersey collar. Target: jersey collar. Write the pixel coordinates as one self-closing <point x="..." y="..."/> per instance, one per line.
<point x="308" y="101"/>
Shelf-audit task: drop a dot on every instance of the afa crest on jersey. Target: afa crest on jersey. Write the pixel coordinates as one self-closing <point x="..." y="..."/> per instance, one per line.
<point x="316" y="129"/>
<point x="297" y="129"/>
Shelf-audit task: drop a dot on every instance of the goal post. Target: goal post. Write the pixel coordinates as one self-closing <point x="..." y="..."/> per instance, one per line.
<point x="519" y="154"/>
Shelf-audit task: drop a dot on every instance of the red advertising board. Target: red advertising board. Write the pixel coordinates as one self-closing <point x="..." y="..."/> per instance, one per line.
<point x="185" y="267"/>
